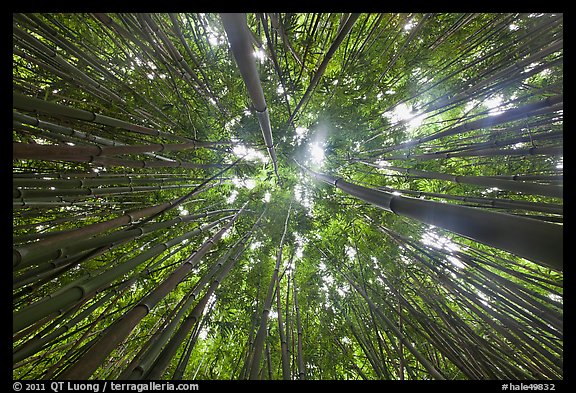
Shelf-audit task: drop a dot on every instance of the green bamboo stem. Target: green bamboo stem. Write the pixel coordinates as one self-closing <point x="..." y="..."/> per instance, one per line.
<point x="532" y="151"/>
<point x="552" y="191"/>
<point x="425" y="362"/>
<point x="157" y="370"/>
<point x="34" y="104"/>
<point x="551" y="208"/>
<point x="300" y="334"/>
<point x="283" y="343"/>
<point x="240" y="42"/>
<point x="535" y="240"/>
<point x="76" y="292"/>
<point x="91" y="360"/>
<point x="262" y="329"/>
<point x="140" y="368"/>
<point x="60" y="256"/>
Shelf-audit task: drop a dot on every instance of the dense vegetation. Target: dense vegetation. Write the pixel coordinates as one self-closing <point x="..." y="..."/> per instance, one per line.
<point x="287" y="196"/>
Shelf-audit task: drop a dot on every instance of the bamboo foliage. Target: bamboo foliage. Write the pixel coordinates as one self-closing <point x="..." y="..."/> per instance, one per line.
<point x="254" y="366"/>
<point x="152" y="211"/>
<point x="239" y="38"/>
<point x="83" y="369"/>
<point x="548" y="253"/>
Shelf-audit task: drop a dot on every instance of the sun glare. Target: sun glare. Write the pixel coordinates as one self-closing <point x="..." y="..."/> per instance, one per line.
<point x="316" y="153"/>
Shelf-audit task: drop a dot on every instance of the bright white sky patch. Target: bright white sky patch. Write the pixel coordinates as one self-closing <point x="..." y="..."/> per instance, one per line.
<point x="470" y="105"/>
<point x="492" y="104"/>
<point x="556" y="298"/>
<point x="300" y="135"/>
<point x="300" y="241"/>
<point x="301" y="195"/>
<point x="403" y="113"/>
<point x="408" y="26"/>
<point x="316" y="153"/>
<point x="232" y="197"/>
<point x="351" y="252"/>
<point x="455" y="261"/>
<point x="560" y="164"/>
<point x="432" y="239"/>
<point x="250" y="154"/>
<point x="483" y="297"/>
<point x="266" y="198"/>
<point x="342" y="291"/>
<point x="489" y="190"/>
<point x="247" y="183"/>
<point x="260" y="55"/>
<point x="255" y="245"/>
<point x="227" y="233"/>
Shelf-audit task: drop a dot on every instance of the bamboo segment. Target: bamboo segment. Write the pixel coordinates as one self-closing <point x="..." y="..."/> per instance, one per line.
<point x="35" y="104"/>
<point x="192" y="318"/>
<point x="484" y="181"/>
<point x="551" y="208"/>
<point x="262" y="329"/>
<point x="240" y="43"/>
<point x="299" y="331"/>
<point x="535" y="240"/>
<point x="283" y="343"/>
<point x="38" y="310"/>
<point x="138" y="369"/>
<point x="90" y="361"/>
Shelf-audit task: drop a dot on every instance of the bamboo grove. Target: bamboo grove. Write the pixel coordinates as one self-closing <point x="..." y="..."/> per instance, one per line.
<point x="288" y="196"/>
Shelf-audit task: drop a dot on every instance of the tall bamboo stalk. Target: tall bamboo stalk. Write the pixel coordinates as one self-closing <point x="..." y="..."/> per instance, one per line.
<point x="118" y="331"/>
<point x="262" y="329"/>
<point x="240" y="41"/>
<point x="535" y="240"/>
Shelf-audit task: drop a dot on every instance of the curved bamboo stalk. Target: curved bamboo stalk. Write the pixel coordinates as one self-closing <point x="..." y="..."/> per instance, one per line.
<point x="240" y="41"/>
<point x="225" y="266"/>
<point x="425" y="362"/>
<point x="489" y="202"/>
<point x="22" y="254"/>
<point x="76" y="291"/>
<point x="34" y="104"/>
<point x="262" y="329"/>
<point x="535" y="240"/>
<point x="484" y="181"/>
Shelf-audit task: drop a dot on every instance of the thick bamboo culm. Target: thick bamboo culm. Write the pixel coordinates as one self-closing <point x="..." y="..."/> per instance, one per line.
<point x="535" y="240"/>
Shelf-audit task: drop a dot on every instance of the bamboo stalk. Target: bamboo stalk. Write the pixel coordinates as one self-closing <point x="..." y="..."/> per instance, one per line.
<point x="484" y="181"/>
<point x="92" y="359"/>
<point x="262" y="329"/>
<point x="535" y="240"/>
<point x="240" y="43"/>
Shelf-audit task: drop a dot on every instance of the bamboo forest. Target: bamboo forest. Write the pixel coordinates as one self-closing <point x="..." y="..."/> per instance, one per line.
<point x="287" y="196"/>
